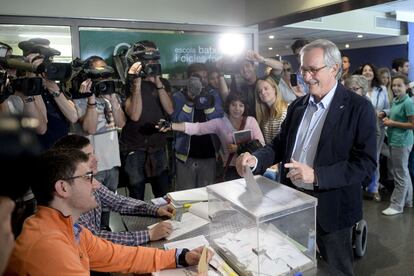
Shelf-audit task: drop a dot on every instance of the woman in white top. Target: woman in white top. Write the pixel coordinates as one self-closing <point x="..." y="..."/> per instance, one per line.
<point x="379" y="99"/>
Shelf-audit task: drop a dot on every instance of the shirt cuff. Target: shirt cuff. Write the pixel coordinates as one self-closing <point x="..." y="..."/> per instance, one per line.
<point x="255" y="166"/>
<point x="177" y="255"/>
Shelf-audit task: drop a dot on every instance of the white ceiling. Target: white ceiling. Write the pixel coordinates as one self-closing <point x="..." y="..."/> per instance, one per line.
<point x="285" y="36"/>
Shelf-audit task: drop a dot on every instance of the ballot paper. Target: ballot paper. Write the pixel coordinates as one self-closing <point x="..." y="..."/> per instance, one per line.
<point x="217" y="264"/>
<point x="179" y="198"/>
<point x="188" y="223"/>
<point x="251" y="184"/>
<point x="276" y="255"/>
<point x="190" y="243"/>
<point x="199" y="209"/>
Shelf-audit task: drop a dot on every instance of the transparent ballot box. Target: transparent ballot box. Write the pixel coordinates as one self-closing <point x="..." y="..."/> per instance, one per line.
<point x="271" y="231"/>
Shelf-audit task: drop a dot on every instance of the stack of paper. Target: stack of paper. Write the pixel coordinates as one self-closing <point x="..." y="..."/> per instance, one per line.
<point x="275" y="256"/>
<point x="179" y="198"/>
<point x="188" y="223"/>
<point x="218" y="267"/>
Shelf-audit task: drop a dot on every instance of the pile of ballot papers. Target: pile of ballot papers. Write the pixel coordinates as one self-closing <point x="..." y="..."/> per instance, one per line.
<point x="273" y="254"/>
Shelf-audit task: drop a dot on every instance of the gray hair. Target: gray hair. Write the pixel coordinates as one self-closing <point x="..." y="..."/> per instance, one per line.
<point x="331" y="53"/>
<point x="360" y="81"/>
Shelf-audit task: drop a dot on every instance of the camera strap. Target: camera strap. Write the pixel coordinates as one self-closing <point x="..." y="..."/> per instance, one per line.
<point x="231" y="155"/>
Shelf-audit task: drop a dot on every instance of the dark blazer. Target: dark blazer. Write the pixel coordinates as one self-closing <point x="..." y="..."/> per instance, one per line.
<point x="345" y="157"/>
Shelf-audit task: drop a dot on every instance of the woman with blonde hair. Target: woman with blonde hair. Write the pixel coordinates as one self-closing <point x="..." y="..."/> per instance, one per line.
<point x="270" y="108"/>
<point x="385" y="79"/>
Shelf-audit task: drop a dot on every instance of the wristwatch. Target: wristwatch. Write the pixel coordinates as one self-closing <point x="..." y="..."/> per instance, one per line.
<point x="55" y="94"/>
<point x="29" y="99"/>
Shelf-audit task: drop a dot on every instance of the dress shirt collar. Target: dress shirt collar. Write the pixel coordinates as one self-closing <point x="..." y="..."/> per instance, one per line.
<point x="326" y="100"/>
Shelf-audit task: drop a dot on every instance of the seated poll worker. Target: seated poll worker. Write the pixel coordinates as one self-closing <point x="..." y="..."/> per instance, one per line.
<point x="327" y="149"/>
<point x="116" y="203"/>
<point x="53" y="243"/>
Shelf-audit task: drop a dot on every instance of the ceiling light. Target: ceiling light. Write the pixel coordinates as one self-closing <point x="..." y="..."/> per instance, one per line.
<point x="271" y="36"/>
<point x="347" y="45"/>
<point x="270" y="48"/>
<point x="360" y="36"/>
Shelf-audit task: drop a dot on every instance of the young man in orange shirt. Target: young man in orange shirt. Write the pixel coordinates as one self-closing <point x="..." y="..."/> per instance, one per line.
<point x="52" y="243"/>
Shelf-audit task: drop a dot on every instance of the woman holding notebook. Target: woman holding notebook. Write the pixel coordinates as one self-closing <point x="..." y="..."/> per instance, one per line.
<point x="228" y="128"/>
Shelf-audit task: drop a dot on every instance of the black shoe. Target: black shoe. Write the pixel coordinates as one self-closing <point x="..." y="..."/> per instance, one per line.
<point x="368" y="195"/>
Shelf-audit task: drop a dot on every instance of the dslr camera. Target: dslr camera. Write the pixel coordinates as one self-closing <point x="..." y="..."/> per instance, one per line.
<point x="139" y="52"/>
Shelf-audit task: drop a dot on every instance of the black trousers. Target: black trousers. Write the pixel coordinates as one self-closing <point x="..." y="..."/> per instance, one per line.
<point x="336" y="250"/>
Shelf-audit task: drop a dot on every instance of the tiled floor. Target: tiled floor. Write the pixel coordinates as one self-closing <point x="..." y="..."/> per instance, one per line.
<point x="390" y="247"/>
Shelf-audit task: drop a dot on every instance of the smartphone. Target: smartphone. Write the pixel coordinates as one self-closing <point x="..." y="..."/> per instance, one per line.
<point x="293" y="80"/>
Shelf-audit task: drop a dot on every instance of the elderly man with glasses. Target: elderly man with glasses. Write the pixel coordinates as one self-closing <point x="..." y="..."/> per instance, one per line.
<point x="53" y="243"/>
<point x="327" y="149"/>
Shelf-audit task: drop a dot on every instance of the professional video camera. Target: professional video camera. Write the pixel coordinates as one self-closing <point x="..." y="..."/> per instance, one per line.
<point x="51" y="70"/>
<point x="28" y="86"/>
<point x="101" y="84"/>
<point x="139" y="52"/>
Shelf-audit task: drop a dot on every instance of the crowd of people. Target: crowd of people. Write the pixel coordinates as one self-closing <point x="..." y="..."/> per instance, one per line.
<point x="293" y="123"/>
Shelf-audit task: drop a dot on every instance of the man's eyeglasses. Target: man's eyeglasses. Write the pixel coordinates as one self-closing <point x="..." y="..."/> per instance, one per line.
<point x="287" y="69"/>
<point x="87" y="176"/>
<point x="311" y="71"/>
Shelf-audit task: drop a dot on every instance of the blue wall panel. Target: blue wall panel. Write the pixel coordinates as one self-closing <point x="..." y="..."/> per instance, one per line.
<point x="380" y="56"/>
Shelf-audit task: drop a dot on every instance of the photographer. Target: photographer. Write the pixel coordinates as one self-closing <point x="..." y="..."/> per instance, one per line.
<point x="142" y="146"/>
<point x="19" y="102"/>
<point x="99" y="117"/>
<point x="196" y="155"/>
<point x="60" y="110"/>
<point x="247" y="71"/>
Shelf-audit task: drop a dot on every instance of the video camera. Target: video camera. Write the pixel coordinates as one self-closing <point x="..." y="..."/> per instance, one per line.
<point x="101" y="84"/>
<point x="29" y="86"/>
<point x="52" y="70"/>
<point x="139" y="52"/>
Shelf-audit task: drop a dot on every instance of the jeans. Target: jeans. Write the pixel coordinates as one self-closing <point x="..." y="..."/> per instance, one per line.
<point x="110" y="179"/>
<point x="135" y="169"/>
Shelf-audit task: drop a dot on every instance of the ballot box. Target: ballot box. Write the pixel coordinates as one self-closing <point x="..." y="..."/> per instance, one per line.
<point x="262" y="227"/>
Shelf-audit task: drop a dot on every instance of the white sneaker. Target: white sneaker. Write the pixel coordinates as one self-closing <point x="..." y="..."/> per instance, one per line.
<point x="391" y="212"/>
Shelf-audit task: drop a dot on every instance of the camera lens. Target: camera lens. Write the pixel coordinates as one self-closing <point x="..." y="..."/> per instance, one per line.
<point x="52" y="69"/>
<point x="102" y="87"/>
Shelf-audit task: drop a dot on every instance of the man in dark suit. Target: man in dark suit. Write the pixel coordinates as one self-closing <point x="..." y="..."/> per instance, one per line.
<point x="327" y="148"/>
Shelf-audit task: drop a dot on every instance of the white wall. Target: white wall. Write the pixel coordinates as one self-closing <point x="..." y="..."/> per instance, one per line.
<point x="205" y="12"/>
